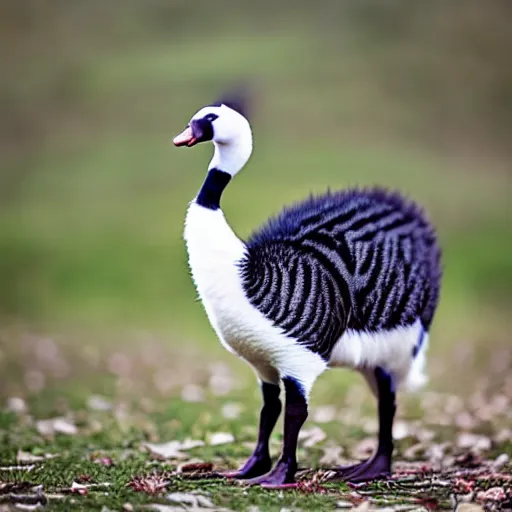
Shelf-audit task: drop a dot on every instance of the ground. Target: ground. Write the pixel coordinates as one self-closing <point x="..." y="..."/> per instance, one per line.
<point x="113" y="435"/>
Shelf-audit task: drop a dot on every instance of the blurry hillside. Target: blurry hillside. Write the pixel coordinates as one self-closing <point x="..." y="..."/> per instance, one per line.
<point x="414" y="95"/>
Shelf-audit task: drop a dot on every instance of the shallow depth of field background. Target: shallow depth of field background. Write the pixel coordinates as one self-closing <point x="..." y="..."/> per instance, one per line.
<point x="93" y="274"/>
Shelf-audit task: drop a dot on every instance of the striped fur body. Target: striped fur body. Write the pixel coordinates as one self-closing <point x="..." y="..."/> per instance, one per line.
<point x="358" y="261"/>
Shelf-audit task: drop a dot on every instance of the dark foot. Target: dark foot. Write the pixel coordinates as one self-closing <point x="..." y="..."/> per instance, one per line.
<point x="254" y="467"/>
<point x="376" y="468"/>
<point x="282" y="476"/>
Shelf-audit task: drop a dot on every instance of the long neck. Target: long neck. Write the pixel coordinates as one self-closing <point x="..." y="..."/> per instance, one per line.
<point x="211" y="191"/>
<point x="228" y="160"/>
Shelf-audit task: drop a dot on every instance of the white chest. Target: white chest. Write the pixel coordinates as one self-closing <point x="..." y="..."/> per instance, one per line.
<point x="214" y="252"/>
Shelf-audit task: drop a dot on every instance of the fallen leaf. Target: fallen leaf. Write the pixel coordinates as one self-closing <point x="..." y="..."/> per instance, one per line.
<point x="98" y="403"/>
<point x="492" y="494"/>
<point x="332" y="455"/>
<point x="476" y="442"/>
<point x="172" y="449"/>
<point x="324" y="414"/>
<point x="164" y="508"/>
<point x="469" y="507"/>
<point x="29" y="467"/>
<point x="190" y="500"/>
<point x="56" y="426"/>
<point x="79" y="488"/>
<point x="195" y="466"/>
<point x="150" y="484"/>
<point x="364" y="449"/>
<point x="401" y="430"/>
<point x="414" y="451"/>
<point x="16" y="404"/>
<point x="192" y="393"/>
<point x="26" y="506"/>
<point x="27" y="458"/>
<point x="362" y="507"/>
<point x="221" y="380"/>
<point x="231" y="411"/>
<point x="221" y="438"/>
<point x="311" y="436"/>
<point x="501" y="460"/>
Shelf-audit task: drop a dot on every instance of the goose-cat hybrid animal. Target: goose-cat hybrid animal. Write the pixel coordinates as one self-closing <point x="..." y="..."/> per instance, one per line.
<point x="345" y="279"/>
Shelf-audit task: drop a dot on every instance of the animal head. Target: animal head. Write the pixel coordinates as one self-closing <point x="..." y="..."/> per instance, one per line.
<point x="225" y="124"/>
<point x="218" y="123"/>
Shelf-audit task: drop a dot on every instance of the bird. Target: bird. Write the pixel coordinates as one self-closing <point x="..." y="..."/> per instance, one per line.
<point x="344" y="279"/>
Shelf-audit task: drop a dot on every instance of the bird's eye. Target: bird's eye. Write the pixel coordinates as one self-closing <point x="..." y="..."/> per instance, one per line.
<point x="211" y="117"/>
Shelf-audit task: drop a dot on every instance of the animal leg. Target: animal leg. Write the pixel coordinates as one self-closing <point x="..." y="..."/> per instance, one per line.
<point x="296" y="412"/>
<point x="259" y="462"/>
<point x="379" y="464"/>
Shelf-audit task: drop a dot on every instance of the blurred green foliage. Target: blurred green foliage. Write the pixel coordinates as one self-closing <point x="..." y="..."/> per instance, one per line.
<point x="411" y="95"/>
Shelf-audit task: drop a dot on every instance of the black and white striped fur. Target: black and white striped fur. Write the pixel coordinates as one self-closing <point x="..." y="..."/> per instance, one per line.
<point x="345" y="279"/>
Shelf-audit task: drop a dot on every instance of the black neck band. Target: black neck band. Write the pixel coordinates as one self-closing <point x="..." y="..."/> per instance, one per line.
<point x="211" y="191"/>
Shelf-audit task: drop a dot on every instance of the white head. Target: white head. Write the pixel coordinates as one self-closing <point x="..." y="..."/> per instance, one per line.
<point x="229" y="131"/>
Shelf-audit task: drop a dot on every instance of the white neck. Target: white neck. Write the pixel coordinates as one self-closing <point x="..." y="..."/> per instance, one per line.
<point x="233" y="156"/>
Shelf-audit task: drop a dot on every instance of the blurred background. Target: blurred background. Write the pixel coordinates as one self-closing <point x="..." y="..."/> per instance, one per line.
<point x="93" y="274"/>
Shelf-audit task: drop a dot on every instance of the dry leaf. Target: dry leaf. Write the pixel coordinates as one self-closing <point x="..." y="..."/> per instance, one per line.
<point x="16" y="404"/>
<point x="501" y="460"/>
<point x="476" y="442"/>
<point x="172" y="449"/>
<point x="56" y="426"/>
<point x="221" y="380"/>
<point x="27" y="458"/>
<point x="221" y="438"/>
<point x="28" y="506"/>
<point x="192" y="393"/>
<point x="492" y="494"/>
<point x="332" y="455"/>
<point x="401" y="430"/>
<point x="324" y="414"/>
<point x="98" y="403"/>
<point x="469" y="507"/>
<point x="164" y="508"/>
<point x="362" y="507"/>
<point x="231" y="411"/>
<point x="311" y="436"/>
<point x="190" y="500"/>
<point x="150" y="484"/>
<point x="365" y="448"/>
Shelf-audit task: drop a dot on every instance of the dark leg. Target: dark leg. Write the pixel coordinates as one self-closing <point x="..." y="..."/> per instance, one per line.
<point x="379" y="465"/>
<point x="296" y="413"/>
<point x="259" y="462"/>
